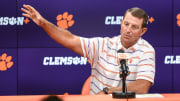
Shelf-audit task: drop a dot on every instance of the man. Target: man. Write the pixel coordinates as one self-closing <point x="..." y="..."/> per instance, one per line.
<point x="102" y="52"/>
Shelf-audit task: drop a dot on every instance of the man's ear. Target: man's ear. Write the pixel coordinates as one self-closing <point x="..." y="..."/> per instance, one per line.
<point x="144" y="30"/>
<point x="121" y="22"/>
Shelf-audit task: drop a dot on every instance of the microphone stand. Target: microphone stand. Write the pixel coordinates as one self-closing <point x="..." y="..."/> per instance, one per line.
<point x="124" y="93"/>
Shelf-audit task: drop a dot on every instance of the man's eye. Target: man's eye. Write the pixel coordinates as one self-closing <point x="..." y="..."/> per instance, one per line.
<point x="126" y="24"/>
<point x="134" y="27"/>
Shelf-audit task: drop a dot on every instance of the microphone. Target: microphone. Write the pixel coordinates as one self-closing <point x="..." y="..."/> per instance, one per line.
<point x="123" y="60"/>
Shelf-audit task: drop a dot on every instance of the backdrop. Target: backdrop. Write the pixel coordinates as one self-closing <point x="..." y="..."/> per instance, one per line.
<point x="32" y="63"/>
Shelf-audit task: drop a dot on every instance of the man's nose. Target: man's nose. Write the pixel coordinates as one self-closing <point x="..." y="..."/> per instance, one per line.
<point x="129" y="29"/>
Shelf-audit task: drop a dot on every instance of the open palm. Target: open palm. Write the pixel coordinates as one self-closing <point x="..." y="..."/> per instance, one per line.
<point x="32" y="13"/>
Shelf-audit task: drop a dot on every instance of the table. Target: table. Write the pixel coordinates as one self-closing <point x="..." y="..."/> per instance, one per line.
<point x="167" y="97"/>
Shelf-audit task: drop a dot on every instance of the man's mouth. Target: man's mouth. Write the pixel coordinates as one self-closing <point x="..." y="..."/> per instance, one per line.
<point x="127" y="37"/>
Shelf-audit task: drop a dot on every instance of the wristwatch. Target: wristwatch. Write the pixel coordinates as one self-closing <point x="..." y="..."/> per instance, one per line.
<point x="105" y="90"/>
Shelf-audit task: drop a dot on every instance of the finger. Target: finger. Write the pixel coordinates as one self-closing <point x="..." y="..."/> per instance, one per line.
<point x="32" y="8"/>
<point x="26" y="15"/>
<point x="25" y="6"/>
<point x="25" y="10"/>
<point x="28" y="7"/>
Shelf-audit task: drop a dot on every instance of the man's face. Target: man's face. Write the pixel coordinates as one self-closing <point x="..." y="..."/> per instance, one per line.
<point x="131" y="30"/>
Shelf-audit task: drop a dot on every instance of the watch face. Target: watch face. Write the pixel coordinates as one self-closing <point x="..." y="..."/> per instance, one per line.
<point x="105" y="90"/>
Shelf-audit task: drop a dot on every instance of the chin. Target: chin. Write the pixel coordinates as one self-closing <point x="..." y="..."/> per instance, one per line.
<point x="127" y="40"/>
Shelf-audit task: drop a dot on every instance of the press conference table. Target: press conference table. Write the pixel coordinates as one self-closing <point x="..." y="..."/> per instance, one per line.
<point x="167" y="97"/>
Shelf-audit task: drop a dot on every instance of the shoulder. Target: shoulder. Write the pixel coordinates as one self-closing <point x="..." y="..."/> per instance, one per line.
<point x="145" y="45"/>
<point x="112" y="40"/>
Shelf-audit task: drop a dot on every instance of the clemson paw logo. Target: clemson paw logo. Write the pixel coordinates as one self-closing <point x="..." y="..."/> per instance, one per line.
<point x="178" y="20"/>
<point x="5" y="62"/>
<point x="65" y="20"/>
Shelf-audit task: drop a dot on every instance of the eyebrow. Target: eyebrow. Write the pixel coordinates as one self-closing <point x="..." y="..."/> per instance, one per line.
<point x="132" y="24"/>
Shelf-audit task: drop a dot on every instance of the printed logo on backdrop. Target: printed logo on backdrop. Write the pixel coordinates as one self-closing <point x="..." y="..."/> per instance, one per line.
<point x="5" y="62"/>
<point x="116" y="20"/>
<point x="178" y="19"/>
<point x="5" y="21"/>
<point x="171" y="59"/>
<point x="65" y="20"/>
<point x="52" y="61"/>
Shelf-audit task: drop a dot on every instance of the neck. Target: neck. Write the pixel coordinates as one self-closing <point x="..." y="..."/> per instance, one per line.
<point x="125" y="45"/>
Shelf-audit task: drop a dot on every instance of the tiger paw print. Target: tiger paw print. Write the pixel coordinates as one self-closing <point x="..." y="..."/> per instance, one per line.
<point x="5" y="62"/>
<point x="65" y="21"/>
<point x="178" y="19"/>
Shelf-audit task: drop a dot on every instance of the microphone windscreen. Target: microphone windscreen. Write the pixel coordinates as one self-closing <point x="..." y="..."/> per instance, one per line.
<point x="120" y="51"/>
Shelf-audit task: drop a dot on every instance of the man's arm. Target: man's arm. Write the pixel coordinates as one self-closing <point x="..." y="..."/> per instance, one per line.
<point x="139" y="86"/>
<point x="63" y="37"/>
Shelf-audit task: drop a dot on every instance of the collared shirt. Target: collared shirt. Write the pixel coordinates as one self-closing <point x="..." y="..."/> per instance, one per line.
<point x="102" y="53"/>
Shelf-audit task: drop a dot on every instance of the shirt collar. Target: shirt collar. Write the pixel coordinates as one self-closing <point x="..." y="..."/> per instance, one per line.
<point x="130" y="49"/>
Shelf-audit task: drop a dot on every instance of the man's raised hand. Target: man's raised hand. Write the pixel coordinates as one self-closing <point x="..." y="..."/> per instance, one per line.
<point x="33" y="14"/>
